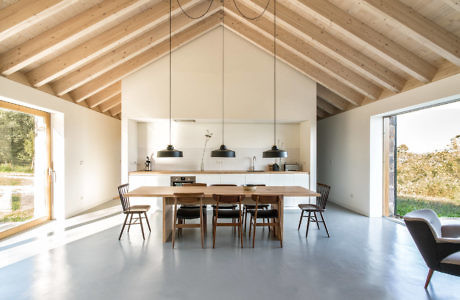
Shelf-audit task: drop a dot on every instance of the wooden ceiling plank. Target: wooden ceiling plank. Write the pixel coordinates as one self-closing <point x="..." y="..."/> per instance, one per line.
<point x="394" y="53"/>
<point x="125" y="52"/>
<point x="104" y="42"/>
<point x="428" y="33"/>
<point x="455" y="4"/>
<point x="294" y="60"/>
<point x="116" y="110"/>
<point x="313" y="55"/>
<point x="104" y="95"/>
<point x="147" y="57"/>
<point x="110" y="103"/>
<point x="22" y="14"/>
<point x="62" y="34"/>
<point x="321" y="113"/>
<point x="324" y="105"/>
<point x="332" y="98"/>
<point x="326" y="42"/>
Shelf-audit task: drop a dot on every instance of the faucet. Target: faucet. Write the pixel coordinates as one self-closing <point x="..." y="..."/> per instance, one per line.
<point x="253" y="168"/>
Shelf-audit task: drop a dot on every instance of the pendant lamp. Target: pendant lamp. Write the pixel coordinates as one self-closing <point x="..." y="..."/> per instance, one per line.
<point x="223" y="151"/>
<point x="274" y="152"/>
<point x="170" y="151"/>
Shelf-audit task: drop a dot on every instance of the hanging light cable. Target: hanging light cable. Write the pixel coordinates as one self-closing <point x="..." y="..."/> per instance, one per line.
<point x="223" y="151"/>
<point x="274" y="152"/>
<point x="170" y="151"/>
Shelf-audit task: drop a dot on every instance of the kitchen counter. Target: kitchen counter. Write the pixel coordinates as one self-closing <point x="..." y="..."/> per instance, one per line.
<point x="159" y="172"/>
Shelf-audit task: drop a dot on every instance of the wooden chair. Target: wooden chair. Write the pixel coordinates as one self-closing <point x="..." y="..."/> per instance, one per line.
<point x="265" y="214"/>
<point x="130" y="211"/>
<point x="252" y="206"/>
<point x="205" y="213"/>
<point x="234" y="206"/>
<point x="319" y="207"/>
<point x="184" y="213"/>
<point x="226" y="213"/>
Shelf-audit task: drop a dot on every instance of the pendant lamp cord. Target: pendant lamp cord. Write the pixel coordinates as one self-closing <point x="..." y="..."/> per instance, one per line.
<point x="170" y="72"/>
<point x="274" y="72"/>
<point x="197" y="17"/>
<point x="251" y="18"/>
<point x="223" y="71"/>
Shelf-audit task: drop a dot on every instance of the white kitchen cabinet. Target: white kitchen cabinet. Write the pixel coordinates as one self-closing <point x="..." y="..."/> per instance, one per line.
<point x="258" y="179"/>
<point x="238" y="179"/>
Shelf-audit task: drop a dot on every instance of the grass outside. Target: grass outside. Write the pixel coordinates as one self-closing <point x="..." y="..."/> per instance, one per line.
<point x="9" y="168"/>
<point x="405" y="205"/>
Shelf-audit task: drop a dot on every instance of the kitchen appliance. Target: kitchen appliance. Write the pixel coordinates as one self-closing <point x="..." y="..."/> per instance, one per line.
<point x="180" y="180"/>
<point x="291" y="167"/>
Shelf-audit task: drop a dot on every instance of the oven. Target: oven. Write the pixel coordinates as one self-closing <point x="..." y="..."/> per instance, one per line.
<point x="180" y="180"/>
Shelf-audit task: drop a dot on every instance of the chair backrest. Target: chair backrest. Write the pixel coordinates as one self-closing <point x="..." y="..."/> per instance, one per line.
<point x="322" y="189"/>
<point x="224" y="184"/>
<point x="424" y="226"/>
<point x="228" y="199"/>
<point x="267" y="199"/>
<point x="122" y="191"/>
<point x="188" y="198"/>
<point x="195" y="184"/>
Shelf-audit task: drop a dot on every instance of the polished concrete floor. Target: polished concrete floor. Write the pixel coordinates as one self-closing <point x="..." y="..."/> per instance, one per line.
<point x="364" y="259"/>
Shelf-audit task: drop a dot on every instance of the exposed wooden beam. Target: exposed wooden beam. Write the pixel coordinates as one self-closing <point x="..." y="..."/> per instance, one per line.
<point x="61" y="35"/>
<point x="147" y="57"/>
<point x="104" y="42"/>
<point x="104" y="95"/>
<point x="294" y="60"/>
<point x="125" y="52"/>
<point x="360" y="32"/>
<point x="110" y="103"/>
<point x="24" y="13"/>
<point x="455" y="4"/>
<point x="328" y="43"/>
<point x="116" y="110"/>
<point x="332" y="98"/>
<point x="312" y="55"/>
<point x="321" y="113"/>
<point x="326" y="106"/>
<point x="428" y="33"/>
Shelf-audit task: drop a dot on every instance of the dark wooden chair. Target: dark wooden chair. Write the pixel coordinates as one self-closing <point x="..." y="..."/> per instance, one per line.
<point x="130" y="211"/>
<point x="226" y="213"/>
<point x="252" y="206"/>
<point x="234" y="206"/>
<point x="438" y="243"/>
<point x="272" y="215"/>
<point x="313" y="209"/>
<point x="196" y="207"/>
<point x="183" y="213"/>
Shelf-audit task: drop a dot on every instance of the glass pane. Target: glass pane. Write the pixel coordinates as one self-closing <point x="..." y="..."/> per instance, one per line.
<point x="23" y="168"/>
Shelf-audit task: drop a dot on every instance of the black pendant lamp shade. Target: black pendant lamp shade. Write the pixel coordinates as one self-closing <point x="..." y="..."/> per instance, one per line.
<point x="223" y="151"/>
<point x="274" y="152"/>
<point x="170" y="151"/>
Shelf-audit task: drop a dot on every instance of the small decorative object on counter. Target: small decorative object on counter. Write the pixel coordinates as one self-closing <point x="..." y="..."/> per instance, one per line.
<point x="275" y="167"/>
<point x="148" y="164"/>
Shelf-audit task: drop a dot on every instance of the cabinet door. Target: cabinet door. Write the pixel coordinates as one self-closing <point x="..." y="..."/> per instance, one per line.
<point x="209" y="179"/>
<point x="238" y="179"/>
<point x="282" y="179"/>
<point x="258" y="179"/>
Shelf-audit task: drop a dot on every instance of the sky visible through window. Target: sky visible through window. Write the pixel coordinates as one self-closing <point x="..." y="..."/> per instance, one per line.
<point x="430" y="129"/>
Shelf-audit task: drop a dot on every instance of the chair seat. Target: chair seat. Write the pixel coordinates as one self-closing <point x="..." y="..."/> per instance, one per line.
<point x="228" y="214"/>
<point x="251" y="206"/>
<point x="453" y="259"/>
<point x="264" y="213"/>
<point x="189" y="213"/>
<point x="138" y="209"/>
<point x="450" y="229"/>
<point x="310" y="207"/>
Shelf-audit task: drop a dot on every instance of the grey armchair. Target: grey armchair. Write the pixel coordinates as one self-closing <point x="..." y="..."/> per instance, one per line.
<point x="438" y="243"/>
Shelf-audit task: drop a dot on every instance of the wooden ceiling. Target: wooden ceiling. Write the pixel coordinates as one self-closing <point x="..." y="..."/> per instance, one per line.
<point x="358" y="51"/>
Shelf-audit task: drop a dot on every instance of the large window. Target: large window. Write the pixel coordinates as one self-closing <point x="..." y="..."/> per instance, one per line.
<point x="24" y="168"/>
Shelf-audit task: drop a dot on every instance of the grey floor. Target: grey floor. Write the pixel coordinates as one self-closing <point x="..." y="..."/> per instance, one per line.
<point x="364" y="259"/>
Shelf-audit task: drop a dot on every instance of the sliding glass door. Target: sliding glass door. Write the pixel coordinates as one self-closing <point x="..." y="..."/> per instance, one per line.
<point x="25" y="165"/>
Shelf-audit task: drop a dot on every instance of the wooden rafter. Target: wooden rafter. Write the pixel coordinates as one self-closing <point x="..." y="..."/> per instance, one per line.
<point x="110" y="103"/>
<point x="139" y="61"/>
<point x="124" y="53"/>
<point x="324" y="105"/>
<point x="394" y="53"/>
<point x="104" y="95"/>
<point x="116" y="110"/>
<point x="326" y="42"/>
<point x="321" y="113"/>
<point x="332" y="98"/>
<point x="455" y="4"/>
<point x="104" y="42"/>
<point x="59" y="36"/>
<point x="427" y="32"/>
<point x="313" y="56"/>
<point x="294" y="60"/>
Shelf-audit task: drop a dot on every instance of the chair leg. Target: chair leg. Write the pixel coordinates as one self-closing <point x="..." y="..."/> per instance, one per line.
<point x="316" y="219"/>
<point x="240" y="231"/>
<point x="123" y="227"/>
<point x="308" y="224"/>
<point x="324" y="223"/>
<point x="214" y="226"/>
<point x="254" y="233"/>
<point x="202" y="224"/>
<point x="147" y="219"/>
<point x="245" y="217"/>
<point x="428" y="278"/>
<point x="300" y="221"/>
<point x="250" y="226"/>
<point x="174" y="226"/>
<point x="281" y="234"/>
<point x="142" y="226"/>
<point x="130" y="221"/>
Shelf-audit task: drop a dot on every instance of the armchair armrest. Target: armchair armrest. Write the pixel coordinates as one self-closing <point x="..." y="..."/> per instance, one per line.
<point x="450" y="229"/>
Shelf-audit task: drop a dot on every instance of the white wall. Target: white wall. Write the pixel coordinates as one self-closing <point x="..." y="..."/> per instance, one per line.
<point x="350" y="145"/>
<point x="196" y="72"/>
<point x="85" y="149"/>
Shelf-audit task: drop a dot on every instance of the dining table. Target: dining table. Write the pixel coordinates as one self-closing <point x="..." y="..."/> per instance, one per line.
<point x="166" y="193"/>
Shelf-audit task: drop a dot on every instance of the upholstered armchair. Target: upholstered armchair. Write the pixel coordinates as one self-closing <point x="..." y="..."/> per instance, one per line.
<point x="438" y="243"/>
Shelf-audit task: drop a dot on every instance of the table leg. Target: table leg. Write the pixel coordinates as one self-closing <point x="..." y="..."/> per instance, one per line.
<point x="167" y="220"/>
<point x="278" y="233"/>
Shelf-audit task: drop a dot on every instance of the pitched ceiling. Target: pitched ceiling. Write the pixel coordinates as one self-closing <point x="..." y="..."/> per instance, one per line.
<point x="358" y="51"/>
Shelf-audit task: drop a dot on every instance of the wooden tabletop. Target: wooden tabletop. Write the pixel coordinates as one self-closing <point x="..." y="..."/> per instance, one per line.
<point x="168" y="191"/>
